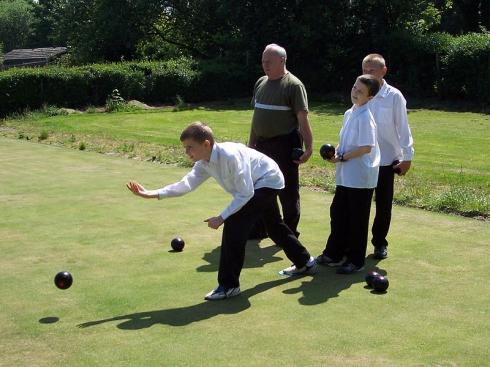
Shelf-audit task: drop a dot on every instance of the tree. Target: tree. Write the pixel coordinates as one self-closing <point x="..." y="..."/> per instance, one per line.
<point x="48" y="18"/>
<point x="107" y="30"/>
<point x="467" y="16"/>
<point x="16" y="19"/>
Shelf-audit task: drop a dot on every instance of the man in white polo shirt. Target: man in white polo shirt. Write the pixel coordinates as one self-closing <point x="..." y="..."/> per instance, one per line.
<point x="396" y="146"/>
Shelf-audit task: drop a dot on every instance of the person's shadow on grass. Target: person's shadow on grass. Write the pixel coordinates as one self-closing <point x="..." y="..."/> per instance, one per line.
<point x="327" y="284"/>
<point x="255" y="256"/>
<point x="323" y="286"/>
<point x="187" y="315"/>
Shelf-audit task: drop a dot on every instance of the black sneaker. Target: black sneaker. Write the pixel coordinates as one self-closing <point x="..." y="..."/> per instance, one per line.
<point x="380" y="252"/>
<point x="325" y="260"/>
<point x="349" y="268"/>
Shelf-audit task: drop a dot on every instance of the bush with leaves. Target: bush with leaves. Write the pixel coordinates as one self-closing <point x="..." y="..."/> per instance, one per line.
<point x="114" y="102"/>
<point x="77" y="87"/>
<point x="466" y="68"/>
<point x="440" y="64"/>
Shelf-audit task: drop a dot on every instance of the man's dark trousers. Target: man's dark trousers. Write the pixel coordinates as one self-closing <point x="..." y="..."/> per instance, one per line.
<point x="279" y="148"/>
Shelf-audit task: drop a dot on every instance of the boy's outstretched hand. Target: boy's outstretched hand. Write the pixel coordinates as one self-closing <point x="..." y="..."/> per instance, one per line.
<point x="139" y="190"/>
<point x="214" y="222"/>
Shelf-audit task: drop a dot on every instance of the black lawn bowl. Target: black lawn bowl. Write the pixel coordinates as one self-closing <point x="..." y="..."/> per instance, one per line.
<point x="370" y="277"/>
<point x="397" y="169"/>
<point x="177" y="244"/>
<point x="380" y="284"/>
<point x="63" y="280"/>
<point x="296" y="154"/>
<point x="327" y="151"/>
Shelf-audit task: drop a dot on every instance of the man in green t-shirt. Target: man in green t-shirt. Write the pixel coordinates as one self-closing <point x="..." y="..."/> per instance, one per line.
<point x="280" y="124"/>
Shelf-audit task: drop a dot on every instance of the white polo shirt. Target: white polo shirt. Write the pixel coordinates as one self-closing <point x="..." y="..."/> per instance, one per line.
<point x="358" y="129"/>
<point x="237" y="168"/>
<point x="394" y="136"/>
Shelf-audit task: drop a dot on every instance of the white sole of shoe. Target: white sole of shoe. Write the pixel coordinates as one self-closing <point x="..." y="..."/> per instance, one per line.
<point x="308" y="271"/>
<point x="221" y="296"/>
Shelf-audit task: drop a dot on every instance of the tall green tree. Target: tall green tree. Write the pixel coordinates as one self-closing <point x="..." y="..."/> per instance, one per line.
<point x="47" y="25"/>
<point x="467" y="16"/>
<point x="16" y="18"/>
<point x="107" y="30"/>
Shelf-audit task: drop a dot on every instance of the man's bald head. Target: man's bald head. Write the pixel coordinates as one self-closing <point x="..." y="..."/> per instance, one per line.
<point x="274" y="61"/>
<point x="276" y="49"/>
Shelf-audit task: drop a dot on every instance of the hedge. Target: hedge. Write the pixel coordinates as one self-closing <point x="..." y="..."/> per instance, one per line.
<point x="449" y="67"/>
<point x="152" y="82"/>
<point x="466" y="68"/>
<point x="442" y="65"/>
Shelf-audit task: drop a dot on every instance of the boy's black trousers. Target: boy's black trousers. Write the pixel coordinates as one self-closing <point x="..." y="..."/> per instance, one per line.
<point x="238" y="226"/>
<point x="349" y="222"/>
<point x="384" y="203"/>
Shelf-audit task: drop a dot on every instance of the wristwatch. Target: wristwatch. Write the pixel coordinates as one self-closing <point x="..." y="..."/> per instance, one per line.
<point x="342" y="158"/>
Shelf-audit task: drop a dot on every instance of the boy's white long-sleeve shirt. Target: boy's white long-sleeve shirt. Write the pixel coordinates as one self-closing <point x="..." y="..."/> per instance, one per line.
<point x="237" y="168"/>
<point x="394" y="136"/>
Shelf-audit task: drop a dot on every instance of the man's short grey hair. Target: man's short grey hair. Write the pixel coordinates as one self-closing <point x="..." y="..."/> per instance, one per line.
<point x="280" y="51"/>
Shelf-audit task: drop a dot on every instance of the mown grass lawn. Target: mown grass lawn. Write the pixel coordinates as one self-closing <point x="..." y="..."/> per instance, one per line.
<point x="134" y="303"/>
<point x="450" y="172"/>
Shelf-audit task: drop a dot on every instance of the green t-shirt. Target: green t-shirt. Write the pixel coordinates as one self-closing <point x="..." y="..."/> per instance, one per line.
<point x="276" y="103"/>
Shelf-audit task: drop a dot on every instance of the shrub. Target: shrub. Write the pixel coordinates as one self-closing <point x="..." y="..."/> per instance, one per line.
<point x="439" y="64"/>
<point x="221" y="80"/>
<point x="31" y="88"/>
<point x="414" y="61"/>
<point x="114" y="102"/>
<point x="43" y="136"/>
<point x="466" y="68"/>
<point x="424" y="65"/>
<point x="179" y="103"/>
<point x="148" y="81"/>
<point x="52" y="111"/>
